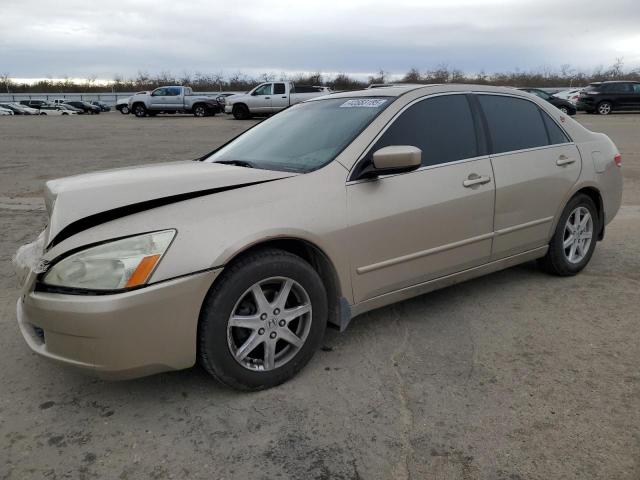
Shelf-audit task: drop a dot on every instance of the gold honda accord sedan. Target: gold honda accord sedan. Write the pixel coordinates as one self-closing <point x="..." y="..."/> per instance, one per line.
<point x="345" y="203"/>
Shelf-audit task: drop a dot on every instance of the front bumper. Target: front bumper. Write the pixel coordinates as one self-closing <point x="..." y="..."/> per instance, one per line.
<point x="119" y="336"/>
<point x="585" y="105"/>
<point x="228" y="108"/>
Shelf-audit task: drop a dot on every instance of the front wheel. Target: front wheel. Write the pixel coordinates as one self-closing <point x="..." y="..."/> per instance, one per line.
<point x="564" y="110"/>
<point x="241" y="112"/>
<point x="262" y="321"/>
<point x="124" y="110"/>
<point x="139" y="110"/>
<point x="574" y="240"/>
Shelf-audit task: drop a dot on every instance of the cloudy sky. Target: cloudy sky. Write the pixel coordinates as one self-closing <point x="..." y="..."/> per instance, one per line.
<point x="83" y="38"/>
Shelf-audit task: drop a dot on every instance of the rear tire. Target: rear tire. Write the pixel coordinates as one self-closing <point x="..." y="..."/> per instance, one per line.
<point x="572" y="244"/>
<point x="241" y="112"/>
<point x="139" y="110"/>
<point x="564" y="110"/>
<point x="604" y="108"/>
<point x="199" y="111"/>
<point x="257" y="355"/>
<point x="124" y="110"/>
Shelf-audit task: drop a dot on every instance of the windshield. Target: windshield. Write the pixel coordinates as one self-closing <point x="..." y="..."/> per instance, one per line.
<point x="304" y="137"/>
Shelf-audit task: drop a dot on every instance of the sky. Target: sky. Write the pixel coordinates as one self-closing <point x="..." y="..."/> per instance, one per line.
<point x="86" y="38"/>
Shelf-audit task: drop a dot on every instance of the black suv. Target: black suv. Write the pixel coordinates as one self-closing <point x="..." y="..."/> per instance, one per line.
<point x="605" y="97"/>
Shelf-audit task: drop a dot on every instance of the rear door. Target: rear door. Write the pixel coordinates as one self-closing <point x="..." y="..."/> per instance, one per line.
<point x="413" y="227"/>
<point x="280" y="98"/>
<point x="535" y="165"/>
<point x="174" y="98"/>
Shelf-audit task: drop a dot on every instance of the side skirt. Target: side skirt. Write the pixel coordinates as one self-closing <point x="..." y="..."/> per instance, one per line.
<point x="437" y="283"/>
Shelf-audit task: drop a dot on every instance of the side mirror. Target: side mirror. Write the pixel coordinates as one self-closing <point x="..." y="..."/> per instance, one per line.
<point x="393" y="159"/>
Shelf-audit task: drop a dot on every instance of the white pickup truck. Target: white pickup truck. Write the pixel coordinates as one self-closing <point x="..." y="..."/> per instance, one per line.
<point x="172" y="99"/>
<point x="270" y="97"/>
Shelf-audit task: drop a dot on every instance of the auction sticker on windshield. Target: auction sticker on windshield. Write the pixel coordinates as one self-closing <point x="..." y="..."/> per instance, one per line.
<point x="363" y="103"/>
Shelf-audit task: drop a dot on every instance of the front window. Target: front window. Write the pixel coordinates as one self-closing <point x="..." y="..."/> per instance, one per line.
<point x="304" y="137"/>
<point x="263" y="89"/>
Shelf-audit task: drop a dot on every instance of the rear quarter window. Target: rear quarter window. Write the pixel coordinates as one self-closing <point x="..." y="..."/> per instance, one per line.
<point x="514" y="123"/>
<point x="556" y="134"/>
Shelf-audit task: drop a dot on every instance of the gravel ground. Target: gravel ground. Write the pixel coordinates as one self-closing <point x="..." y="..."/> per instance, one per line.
<point x="517" y="375"/>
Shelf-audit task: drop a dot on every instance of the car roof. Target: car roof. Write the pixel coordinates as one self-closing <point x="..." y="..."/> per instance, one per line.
<point x="399" y="90"/>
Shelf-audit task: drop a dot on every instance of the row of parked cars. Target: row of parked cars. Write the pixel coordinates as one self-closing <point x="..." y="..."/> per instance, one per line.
<point x="58" y="106"/>
<point x="598" y="97"/>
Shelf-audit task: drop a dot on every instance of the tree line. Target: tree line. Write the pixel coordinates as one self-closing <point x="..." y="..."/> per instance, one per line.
<point x="565" y="76"/>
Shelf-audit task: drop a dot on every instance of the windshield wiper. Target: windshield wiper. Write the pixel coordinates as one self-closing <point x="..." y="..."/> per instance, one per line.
<point x="238" y="163"/>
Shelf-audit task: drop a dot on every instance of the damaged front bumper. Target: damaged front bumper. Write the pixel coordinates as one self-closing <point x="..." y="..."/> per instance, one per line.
<point x="115" y="336"/>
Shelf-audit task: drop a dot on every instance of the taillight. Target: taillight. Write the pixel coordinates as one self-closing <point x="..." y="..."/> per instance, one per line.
<point x="618" y="159"/>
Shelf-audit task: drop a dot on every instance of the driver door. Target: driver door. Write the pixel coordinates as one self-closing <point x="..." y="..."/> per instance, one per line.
<point x="413" y="227"/>
<point x="159" y="99"/>
<point x="260" y="101"/>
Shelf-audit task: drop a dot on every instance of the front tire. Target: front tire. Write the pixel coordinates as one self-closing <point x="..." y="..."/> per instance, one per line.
<point x="139" y="110"/>
<point x="241" y="112"/>
<point x="124" y="110"/>
<point x="604" y="108"/>
<point x="262" y="321"/>
<point x="564" y="110"/>
<point x="574" y="239"/>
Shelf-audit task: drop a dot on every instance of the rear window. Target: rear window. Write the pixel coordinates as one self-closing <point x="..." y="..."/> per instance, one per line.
<point x="514" y="123"/>
<point x="593" y="88"/>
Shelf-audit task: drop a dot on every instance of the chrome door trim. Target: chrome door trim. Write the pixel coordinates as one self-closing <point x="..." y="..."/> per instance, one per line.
<point x="445" y="281"/>
<point x="515" y="228"/>
<point x="423" y="253"/>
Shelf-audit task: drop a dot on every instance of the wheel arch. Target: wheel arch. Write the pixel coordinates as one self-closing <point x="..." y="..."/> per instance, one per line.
<point x="593" y="192"/>
<point x="314" y="256"/>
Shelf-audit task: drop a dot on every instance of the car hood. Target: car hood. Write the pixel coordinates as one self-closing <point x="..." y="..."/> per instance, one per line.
<point x="80" y="202"/>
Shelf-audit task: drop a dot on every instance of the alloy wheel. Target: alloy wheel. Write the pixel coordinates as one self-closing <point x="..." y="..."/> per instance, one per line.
<point x="269" y="324"/>
<point x="578" y="233"/>
<point x="604" y="109"/>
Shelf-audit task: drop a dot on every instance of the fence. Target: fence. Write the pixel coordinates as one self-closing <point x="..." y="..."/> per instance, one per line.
<point x="108" y="98"/>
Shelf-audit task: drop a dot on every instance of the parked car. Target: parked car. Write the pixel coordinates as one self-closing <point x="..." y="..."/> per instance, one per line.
<point x="34" y="103"/>
<point x="270" y="97"/>
<point x="15" y="108"/>
<point x="5" y="111"/>
<point x="571" y="95"/>
<point x="239" y="260"/>
<point x="71" y="108"/>
<point x="606" y="97"/>
<point x="565" y="106"/>
<point x="27" y="110"/>
<point x="172" y="99"/>
<point x="55" y="110"/>
<point x="101" y="105"/>
<point x="122" y="105"/>
<point x="86" y="107"/>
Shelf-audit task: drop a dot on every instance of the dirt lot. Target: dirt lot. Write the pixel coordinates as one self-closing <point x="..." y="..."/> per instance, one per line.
<point x="517" y="375"/>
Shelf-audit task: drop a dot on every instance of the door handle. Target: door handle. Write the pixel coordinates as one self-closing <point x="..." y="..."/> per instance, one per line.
<point x="267" y="98"/>
<point x="284" y="96"/>
<point x="475" y="179"/>
<point x="564" y="160"/>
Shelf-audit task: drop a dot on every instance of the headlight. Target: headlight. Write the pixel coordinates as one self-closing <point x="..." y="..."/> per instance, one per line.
<point x="116" y="265"/>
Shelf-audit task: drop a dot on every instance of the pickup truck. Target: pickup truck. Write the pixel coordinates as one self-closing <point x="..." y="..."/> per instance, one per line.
<point x="172" y="99"/>
<point x="270" y="97"/>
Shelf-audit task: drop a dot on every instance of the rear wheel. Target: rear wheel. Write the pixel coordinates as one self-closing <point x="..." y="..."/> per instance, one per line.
<point x="241" y="112"/>
<point x="574" y="240"/>
<point x="604" y="108"/>
<point x="139" y="110"/>
<point x="124" y="110"/>
<point x="262" y="321"/>
<point x="564" y="109"/>
<point x="199" y="111"/>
